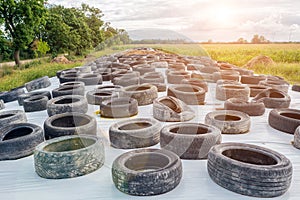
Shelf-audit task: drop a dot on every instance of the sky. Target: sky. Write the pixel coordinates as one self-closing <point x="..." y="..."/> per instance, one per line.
<point x="201" y="20"/>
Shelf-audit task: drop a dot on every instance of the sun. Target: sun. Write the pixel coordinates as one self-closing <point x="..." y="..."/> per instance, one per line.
<point x="221" y="14"/>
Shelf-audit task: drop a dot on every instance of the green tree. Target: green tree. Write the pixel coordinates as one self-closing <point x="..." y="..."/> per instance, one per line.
<point x="259" y="39"/>
<point x="242" y="41"/>
<point x="22" y="19"/>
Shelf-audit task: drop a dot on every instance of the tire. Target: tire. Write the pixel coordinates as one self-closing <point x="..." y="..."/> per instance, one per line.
<point x="296" y="142"/>
<point x="276" y="84"/>
<point x="144" y="68"/>
<point x="249" y="169"/>
<point x="228" y="91"/>
<point x="24" y="96"/>
<point x="75" y="83"/>
<point x="2" y="105"/>
<point x="226" y="75"/>
<point x="68" y="90"/>
<point x="189" y="140"/>
<point x="175" y="77"/>
<point x="296" y="88"/>
<point x="69" y="124"/>
<point x="161" y="87"/>
<point x="161" y="64"/>
<point x="253" y="80"/>
<point x="84" y="69"/>
<point x="39" y="83"/>
<point x="68" y="103"/>
<point x="250" y="108"/>
<point x="90" y="79"/>
<point x="11" y="95"/>
<point x="171" y="109"/>
<point x="196" y="82"/>
<point x="19" y="140"/>
<point x="203" y="76"/>
<point x="35" y="103"/>
<point x="189" y="94"/>
<point x="68" y="156"/>
<point x="126" y="81"/>
<point x="119" y="107"/>
<point x="12" y="117"/>
<point x="144" y="93"/>
<point x="285" y="120"/>
<point x="134" y="133"/>
<point x="95" y="97"/>
<point x="68" y="77"/>
<point x="256" y="89"/>
<point x="229" y="121"/>
<point x="146" y="172"/>
<point x="152" y="77"/>
<point x="273" y="98"/>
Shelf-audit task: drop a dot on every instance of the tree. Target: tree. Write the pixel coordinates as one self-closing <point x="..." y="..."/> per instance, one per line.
<point x="259" y="39"/>
<point x="22" y="19"/>
<point x="242" y="41"/>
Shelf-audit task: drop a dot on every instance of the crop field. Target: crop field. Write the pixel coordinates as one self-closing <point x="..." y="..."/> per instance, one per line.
<point x="285" y="56"/>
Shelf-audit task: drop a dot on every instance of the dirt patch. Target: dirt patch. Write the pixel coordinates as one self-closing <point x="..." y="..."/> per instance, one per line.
<point x="61" y="59"/>
<point x="260" y="60"/>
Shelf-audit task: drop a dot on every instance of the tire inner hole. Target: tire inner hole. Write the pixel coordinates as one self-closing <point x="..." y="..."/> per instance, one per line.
<point x="291" y="115"/>
<point x="194" y="130"/>
<point x="276" y="95"/>
<point x="172" y="105"/>
<point x="18" y="132"/>
<point x="6" y="116"/>
<point x="69" y="145"/>
<point x="135" y="126"/>
<point x="70" y="121"/>
<point x="227" y="118"/>
<point x="251" y="157"/>
<point x="67" y="101"/>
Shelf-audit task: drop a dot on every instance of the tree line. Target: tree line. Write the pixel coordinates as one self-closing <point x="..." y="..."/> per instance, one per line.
<point x="33" y="27"/>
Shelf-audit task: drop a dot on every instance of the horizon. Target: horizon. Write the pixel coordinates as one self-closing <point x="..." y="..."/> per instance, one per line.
<point x="203" y="20"/>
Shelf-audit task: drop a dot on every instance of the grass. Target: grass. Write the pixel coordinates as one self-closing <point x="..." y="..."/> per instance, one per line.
<point x="286" y="56"/>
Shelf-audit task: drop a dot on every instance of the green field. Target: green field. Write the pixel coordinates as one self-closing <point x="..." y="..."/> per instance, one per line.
<point x="286" y="56"/>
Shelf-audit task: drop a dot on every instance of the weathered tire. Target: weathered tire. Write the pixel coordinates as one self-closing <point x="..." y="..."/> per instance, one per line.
<point x="35" y="103"/>
<point x="286" y="120"/>
<point x="171" y="109"/>
<point x="68" y="90"/>
<point x="24" y="96"/>
<point x="39" y="83"/>
<point x="250" y="108"/>
<point x="256" y="89"/>
<point x="11" y="95"/>
<point x="189" y="94"/>
<point x="296" y="142"/>
<point x="68" y="156"/>
<point x="175" y="77"/>
<point x="69" y="124"/>
<point x="226" y="75"/>
<point x="144" y="93"/>
<point x="68" y="103"/>
<point x="273" y="98"/>
<point x="119" y="107"/>
<point x="197" y="82"/>
<point x="95" y="97"/>
<point x="90" y="79"/>
<point x="189" y="140"/>
<point x="276" y="84"/>
<point x="146" y="172"/>
<point x="143" y="68"/>
<point x="19" y="140"/>
<point x="296" y="88"/>
<point x="112" y="88"/>
<point x="229" y="121"/>
<point x="152" y="77"/>
<point x="161" y="64"/>
<point x="12" y="117"/>
<point x="134" y="133"/>
<point x="126" y="81"/>
<point x="253" y="80"/>
<point x="69" y="77"/>
<point x="2" y="105"/>
<point x="228" y="91"/>
<point x="249" y="169"/>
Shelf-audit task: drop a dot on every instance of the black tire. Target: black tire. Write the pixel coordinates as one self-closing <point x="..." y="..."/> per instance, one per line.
<point x="189" y="140"/>
<point x="69" y="124"/>
<point x="189" y="94"/>
<point x="11" y="95"/>
<point x="229" y="121"/>
<point x="296" y="142"/>
<point x="126" y="81"/>
<point x="273" y="98"/>
<point x="75" y="83"/>
<point x="19" y="140"/>
<point x="39" y="83"/>
<point x="249" y="169"/>
<point x="147" y="172"/>
<point x="134" y="133"/>
<point x="35" y="103"/>
<point x="68" y="103"/>
<point x="24" y="96"/>
<point x="171" y="109"/>
<point x="12" y="117"/>
<point x="68" y="77"/>
<point x="250" y="108"/>
<point x="286" y="120"/>
<point x="144" y="93"/>
<point x="69" y="156"/>
<point x="119" y="107"/>
<point x="112" y="88"/>
<point x="68" y="90"/>
<point x="95" y="97"/>
<point x="296" y="88"/>
<point x="90" y="79"/>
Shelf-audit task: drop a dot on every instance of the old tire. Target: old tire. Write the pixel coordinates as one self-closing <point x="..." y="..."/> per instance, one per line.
<point x="68" y="156"/>
<point x="229" y="121"/>
<point x="39" y="83"/>
<point x="11" y="95"/>
<point x="189" y="140"/>
<point x="256" y="89"/>
<point x="296" y="142"/>
<point x="227" y="91"/>
<point x="296" y="88"/>
<point x="249" y="169"/>
<point x="24" y="96"/>
<point x="90" y="79"/>
<point x="19" y="140"/>
<point x="69" y="124"/>
<point x="2" y="105"/>
<point x="146" y="172"/>
<point x="95" y="97"/>
<point x="286" y="120"/>
<point x="35" y="103"/>
<point x="273" y="98"/>
<point x="68" y="103"/>
<point x="134" y="133"/>
<point x="144" y="93"/>
<point x="119" y="107"/>
<point x="12" y="117"/>
<point x="68" y="90"/>
<point x="250" y="108"/>
<point x="189" y="94"/>
<point x="175" y="77"/>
